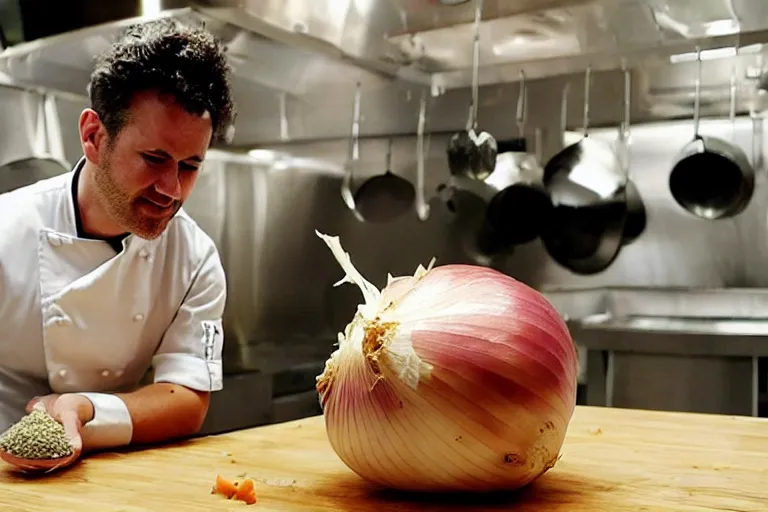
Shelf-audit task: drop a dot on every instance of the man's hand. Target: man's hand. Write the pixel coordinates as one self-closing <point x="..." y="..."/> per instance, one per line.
<point x="159" y="412"/>
<point x="72" y="411"/>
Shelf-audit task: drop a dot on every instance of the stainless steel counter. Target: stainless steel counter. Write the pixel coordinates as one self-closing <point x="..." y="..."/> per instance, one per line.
<point x="292" y="363"/>
<point x="267" y="382"/>
<point x="664" y="335"/>
<point x="689" y="350"/>
<point x="676" y="349"/>
<point x="704" y="303"/>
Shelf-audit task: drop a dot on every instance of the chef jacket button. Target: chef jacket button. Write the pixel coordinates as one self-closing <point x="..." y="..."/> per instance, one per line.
<point x="105" y="373"/>
<point x="144" y="254"/>
<point x="138" y="317"/>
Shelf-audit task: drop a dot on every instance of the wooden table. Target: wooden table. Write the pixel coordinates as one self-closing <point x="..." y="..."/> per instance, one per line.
<point x="613" y="459"/>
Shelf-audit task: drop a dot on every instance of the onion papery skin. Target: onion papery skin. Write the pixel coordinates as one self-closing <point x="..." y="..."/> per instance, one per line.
<point x="465" y="380"/>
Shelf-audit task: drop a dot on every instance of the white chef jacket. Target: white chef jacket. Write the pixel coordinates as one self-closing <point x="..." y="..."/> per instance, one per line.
<point x="77" y="317"/>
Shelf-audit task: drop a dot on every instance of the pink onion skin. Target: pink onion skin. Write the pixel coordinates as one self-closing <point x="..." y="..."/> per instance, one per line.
<point x="493" y="412"/>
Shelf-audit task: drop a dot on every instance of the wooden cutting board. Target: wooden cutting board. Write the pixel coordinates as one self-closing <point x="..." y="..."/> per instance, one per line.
<point x="613" y="460"/>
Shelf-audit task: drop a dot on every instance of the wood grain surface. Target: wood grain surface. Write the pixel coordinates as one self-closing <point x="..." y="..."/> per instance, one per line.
<point x="613" y="460"/>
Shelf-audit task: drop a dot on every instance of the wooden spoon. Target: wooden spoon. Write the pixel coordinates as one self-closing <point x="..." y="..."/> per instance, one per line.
<point x="47" y="465"/>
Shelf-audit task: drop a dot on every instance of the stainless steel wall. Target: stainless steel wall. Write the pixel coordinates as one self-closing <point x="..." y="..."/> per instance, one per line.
<point x="27" y="121"/>
<point x="323" y="108"/>
<point x="263" y="219"/>
<point x="282" y="274"/>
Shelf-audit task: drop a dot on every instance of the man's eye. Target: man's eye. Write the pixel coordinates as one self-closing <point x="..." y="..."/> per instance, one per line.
<point x="154" y="160"/>
<point x="187" y="167"/>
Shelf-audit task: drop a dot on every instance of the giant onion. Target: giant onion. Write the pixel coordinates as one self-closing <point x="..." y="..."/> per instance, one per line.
<point x="458" y="378"/>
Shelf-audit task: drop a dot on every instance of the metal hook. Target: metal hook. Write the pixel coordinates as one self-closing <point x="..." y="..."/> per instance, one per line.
<point x="522" y="105"/>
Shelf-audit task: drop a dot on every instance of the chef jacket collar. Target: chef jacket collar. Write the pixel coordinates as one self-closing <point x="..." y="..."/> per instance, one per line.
<point x="73" y="223"/>
<point x="116" y="242"/>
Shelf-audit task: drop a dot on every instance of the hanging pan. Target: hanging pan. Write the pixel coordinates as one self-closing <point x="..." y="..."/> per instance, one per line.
<point x="382" y="198"/>
<point x="520" y="210"/>
<point x="587" y="187"/>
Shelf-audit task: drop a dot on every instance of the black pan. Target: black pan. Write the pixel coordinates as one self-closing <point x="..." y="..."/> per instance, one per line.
<point x="385" y="197"/>
<point x="586" y="239"/>
<point x="587" y="187"/>
<point x="712" y="178"/>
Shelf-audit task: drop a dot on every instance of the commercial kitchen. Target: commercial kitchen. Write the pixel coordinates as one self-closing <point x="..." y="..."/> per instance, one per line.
<point x="628" y="186"/>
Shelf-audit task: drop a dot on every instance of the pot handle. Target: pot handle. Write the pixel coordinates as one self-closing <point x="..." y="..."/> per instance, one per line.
<point x="587" y="84"/>
<point x="422" y="207"/>
<point x="472" y="120"/>
<point x="564" y="113"/>
<point x="697" y="94"/>
<point x="522" y="106"/>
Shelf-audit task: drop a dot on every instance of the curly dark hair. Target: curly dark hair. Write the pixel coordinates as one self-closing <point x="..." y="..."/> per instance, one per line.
<point x="171" y="58"/>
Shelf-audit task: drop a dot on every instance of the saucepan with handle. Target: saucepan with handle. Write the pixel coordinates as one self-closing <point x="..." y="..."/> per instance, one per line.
<point x="711" y="178"/>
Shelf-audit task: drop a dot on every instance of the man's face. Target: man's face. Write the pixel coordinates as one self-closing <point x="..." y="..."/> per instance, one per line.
<point x="149" y="169"/>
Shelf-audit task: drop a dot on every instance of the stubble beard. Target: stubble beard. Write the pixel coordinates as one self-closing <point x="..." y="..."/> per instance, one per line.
<point x="123" y="208"/>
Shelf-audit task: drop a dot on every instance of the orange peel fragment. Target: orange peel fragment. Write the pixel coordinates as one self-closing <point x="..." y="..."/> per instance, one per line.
<point x="244" y="491"/>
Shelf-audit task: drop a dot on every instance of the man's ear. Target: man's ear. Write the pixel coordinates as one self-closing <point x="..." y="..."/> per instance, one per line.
<point x="93" y="135"/>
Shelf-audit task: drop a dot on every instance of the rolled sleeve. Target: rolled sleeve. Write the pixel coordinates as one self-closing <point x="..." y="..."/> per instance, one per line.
<point x="190" y="353"/>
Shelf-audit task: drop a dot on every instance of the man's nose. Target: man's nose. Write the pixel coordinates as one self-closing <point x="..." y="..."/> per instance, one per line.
<point x="169" y="185"/>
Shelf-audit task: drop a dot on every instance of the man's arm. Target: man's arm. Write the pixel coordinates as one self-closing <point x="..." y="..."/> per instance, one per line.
<point x="164" y="411"/>
<point x="158" y="412"/>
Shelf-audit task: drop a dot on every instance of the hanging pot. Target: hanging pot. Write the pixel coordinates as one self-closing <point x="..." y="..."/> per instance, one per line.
<point x="712" y="178"/>
<point x="521" y="208"/>
<point x="587" y="187"/>
<point x="509" y="207"/>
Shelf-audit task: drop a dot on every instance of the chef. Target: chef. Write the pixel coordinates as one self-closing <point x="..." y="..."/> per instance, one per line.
<point x="111" y="296"/>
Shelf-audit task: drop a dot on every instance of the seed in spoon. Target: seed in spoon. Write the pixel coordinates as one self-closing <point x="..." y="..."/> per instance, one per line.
<point x="37" y="436"/>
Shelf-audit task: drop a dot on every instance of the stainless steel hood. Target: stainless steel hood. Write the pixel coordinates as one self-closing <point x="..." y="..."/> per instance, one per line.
<point x="296" y="51"/>
<point x="423" y="40"/>
<point x="295" y="45"/>
<point x="270" y="66"/>
<point x="63" y="61"/>
<point x="548" y="38"/>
